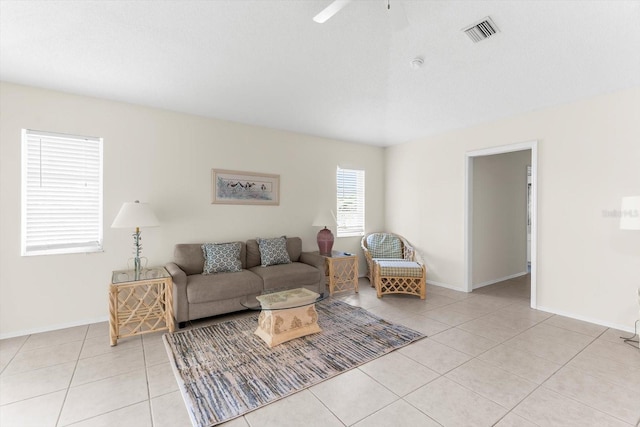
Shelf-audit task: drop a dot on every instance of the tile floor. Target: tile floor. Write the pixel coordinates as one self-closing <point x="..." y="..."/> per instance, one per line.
<point x="489" y="360"/>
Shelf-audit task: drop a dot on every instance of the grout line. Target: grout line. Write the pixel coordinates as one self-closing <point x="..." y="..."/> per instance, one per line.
<point x="73" y="374"/>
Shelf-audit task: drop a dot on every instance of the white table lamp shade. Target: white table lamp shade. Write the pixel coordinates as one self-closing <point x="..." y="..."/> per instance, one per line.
<point x="135" y="214"/>
<point x="630" y="213"/>
<point x="324" y="219"/>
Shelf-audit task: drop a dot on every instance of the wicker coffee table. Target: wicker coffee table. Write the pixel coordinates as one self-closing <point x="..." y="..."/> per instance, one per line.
<point x="285" y="315"/>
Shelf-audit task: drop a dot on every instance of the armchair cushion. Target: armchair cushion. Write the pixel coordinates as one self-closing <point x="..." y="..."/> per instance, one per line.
<point x="384" y="245"/>
<point x="399" y="268"/>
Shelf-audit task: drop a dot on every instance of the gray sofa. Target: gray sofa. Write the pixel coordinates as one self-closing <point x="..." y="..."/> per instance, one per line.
<point x="196" y="295"/>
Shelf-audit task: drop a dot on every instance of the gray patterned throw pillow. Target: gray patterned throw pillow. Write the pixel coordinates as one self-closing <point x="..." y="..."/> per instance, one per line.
<point x="221" y="257"/>
<point x="273" y="251"/>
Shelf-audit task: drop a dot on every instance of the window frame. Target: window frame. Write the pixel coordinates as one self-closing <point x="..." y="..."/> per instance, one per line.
<point x="357" y="229"/>
<point x="94" y="197"/>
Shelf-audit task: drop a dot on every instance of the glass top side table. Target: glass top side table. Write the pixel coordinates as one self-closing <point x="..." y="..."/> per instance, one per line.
<point x="341" y="270"/>
<point x="140" y="303"/>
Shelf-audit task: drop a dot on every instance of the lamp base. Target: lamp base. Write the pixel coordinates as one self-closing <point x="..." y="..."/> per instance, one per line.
<point x="325" y="241"/>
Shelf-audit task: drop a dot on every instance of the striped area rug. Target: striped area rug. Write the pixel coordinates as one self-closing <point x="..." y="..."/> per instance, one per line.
<point x="225" y="371"/>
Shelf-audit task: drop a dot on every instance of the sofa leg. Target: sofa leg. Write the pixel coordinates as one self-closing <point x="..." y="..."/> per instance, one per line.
<point x="182" y="325"/>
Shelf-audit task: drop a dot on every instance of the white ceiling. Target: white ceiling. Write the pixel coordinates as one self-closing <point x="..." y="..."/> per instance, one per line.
<point x="265" y="62"/>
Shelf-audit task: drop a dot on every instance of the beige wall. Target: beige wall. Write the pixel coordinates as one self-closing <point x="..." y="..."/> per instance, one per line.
<point x="163" y="158"/>
<point x="588" y="157"/>
<point x="499" y="239"/>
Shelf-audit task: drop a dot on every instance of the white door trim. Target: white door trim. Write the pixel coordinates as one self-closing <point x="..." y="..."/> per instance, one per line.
<point x="468" y="209"/>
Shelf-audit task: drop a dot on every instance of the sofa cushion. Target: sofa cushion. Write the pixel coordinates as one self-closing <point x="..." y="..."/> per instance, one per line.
<point x="383" y="245"/>
<point x="287" y="276"/>
<point x="214" y="287"/>
<point x="273" y="251"/>
<point x="190" y="258"/>
<point x="294" y="249"/>
<point x="221" y="257"/>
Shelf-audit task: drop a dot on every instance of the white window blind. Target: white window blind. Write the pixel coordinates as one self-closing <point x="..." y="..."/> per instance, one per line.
<point x="350" y="190"/>
<point x="61" y="193"/>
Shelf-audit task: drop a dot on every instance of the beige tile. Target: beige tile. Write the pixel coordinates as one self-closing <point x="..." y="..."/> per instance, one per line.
<point x="449" y="317"/>
<point x="137" y="415"/>
<point x="100" y="345"/>
<point x="300" y="409"/>
<point x="451" y="404"/>
<point x="602" y="395"/>
<point x="60" y="336"/>
<point x="621" y="353"/>
<point x="512" y="320"/>
<point x="521" y="363"/>
<point x="43" y="357"/>
<point x="434" y="355"/>
<point x="423" y="324"/>
<point x="449" y="293"/>
<point x="622" y="375"/>
<point x="574" y="325"/>
<point x="155" y="354"/>
<point x="547" y="408"/>
<point x="6" y="355"/>
<point x="558" y="335"/>
<point x="100" y="329"/>
<point x="152" y="339"/>
<point x="525" y="312"/>
<point x="435" y="300"/>
<point x="465" y="307"/>
<point x="493" y="383"/>
<point x="615" y="335"/>
<point x="406" y="303"/>
<point x="34" y="383"/>
<point x="352" y="396"/>
<point x="489" y="329"/>
<point x="41" y="411"/>
<point x="513" y="420"/>
<point x="236" y="422"/>
<point x="559" y="353"/>
<point x="161" y="380"/>
<point x="13" y="343"/>
<point x="399" y="373"/>
<point x="99" y="397"/>
<point x="107" y="365"/>
<point x="168" y="410"/>
<point x="464" y="341"/>
<point x="399" y="413"/>
<point x="490" y="302"/>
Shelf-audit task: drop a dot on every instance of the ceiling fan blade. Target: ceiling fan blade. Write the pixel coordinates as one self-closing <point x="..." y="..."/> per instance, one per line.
<point x="330" y="10"/>
<point x="399" y="19"/>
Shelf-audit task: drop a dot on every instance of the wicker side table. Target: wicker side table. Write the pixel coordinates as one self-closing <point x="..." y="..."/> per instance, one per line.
<point x="341" y="271"/>
<point x="140" y="304"/>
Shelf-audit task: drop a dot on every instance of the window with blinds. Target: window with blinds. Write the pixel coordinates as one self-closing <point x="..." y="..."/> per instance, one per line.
<point x="350" y="191"/>
<point x="61" y="193"/>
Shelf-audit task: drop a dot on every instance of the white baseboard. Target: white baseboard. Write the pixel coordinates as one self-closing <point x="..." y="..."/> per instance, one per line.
<point x="502" y="279"/>
<point x="625" y="328"/>
<point x="54" y="327"/>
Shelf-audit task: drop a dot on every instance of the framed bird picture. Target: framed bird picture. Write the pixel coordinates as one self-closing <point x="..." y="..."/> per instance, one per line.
<point x="245" y="188"/>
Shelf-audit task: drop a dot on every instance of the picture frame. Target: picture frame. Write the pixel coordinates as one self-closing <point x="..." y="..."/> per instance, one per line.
<point x="244" y="188"/>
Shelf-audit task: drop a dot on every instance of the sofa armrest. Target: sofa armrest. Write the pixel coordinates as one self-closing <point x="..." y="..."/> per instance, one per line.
<point x="313" y="260"/>
<point x="180" y="302"/>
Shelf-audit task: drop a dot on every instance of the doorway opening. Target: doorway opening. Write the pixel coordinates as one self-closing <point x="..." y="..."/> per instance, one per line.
<point x="531" y="209"/>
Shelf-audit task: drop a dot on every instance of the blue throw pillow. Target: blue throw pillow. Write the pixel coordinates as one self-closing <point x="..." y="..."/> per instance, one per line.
<point x="221" y="257"/>
<point x="273" y="251"/>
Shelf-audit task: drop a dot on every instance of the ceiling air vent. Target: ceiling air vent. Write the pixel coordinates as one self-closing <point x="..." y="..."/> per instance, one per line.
<point x="482" y="30"/>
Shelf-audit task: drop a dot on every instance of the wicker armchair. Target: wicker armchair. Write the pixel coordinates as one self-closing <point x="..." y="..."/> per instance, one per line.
<point x="407" y="251"/>
<point x="393" y="265"/>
